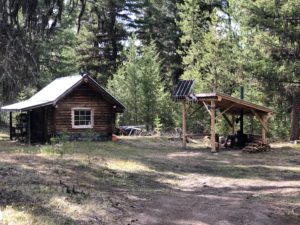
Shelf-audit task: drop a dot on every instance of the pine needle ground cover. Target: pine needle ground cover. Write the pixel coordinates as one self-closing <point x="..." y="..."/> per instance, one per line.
<point x="147" y="181"/>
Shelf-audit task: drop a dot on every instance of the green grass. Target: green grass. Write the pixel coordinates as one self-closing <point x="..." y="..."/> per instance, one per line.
<point x="3" y="136"/>
<point x="89" y="182"/>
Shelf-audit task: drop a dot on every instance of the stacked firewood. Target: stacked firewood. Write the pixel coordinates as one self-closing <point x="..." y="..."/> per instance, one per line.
<point x="255" y="147"/>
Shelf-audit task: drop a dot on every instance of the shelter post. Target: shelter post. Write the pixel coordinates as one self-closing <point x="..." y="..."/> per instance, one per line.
<point x="242" y="111"/>
<point x="28" y="127"/>
<point x="213" y="126"/>
<point x="184" y="124"/>
<point x="233" y="124"/>
<point x="263" y="119"/>
<point x="252" y="124"/>
<point x="264" y="130"/>
<point x="10" y="126"/>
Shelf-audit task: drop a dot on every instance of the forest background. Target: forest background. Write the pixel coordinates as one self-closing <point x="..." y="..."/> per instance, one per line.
<point x="139" y="49"/>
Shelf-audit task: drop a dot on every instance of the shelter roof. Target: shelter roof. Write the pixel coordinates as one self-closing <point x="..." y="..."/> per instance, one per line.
<point x="230" y="104"/>
<point x="58" y="89"/>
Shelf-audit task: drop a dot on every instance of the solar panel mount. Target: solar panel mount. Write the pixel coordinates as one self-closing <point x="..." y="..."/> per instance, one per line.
<point x="183" y="89"/>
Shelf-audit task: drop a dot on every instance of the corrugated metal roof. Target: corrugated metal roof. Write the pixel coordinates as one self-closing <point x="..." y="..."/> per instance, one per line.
<point x="53" y="92"/>
<point x="47" y="95"/>
<point x="231" y="104"/>
<point x="19" y="106"/>
<point x="56" y="88"/>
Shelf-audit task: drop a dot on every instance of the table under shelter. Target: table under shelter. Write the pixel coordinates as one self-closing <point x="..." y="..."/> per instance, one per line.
<point x="220" y="105"/>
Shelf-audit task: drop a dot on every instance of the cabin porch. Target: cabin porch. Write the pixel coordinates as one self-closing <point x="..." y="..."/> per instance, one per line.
<point x="30" y="126"/>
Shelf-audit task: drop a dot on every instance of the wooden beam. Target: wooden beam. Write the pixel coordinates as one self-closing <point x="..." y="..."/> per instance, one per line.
<point x="196" y="110"/>
<point x="207" y="107"/>
<point x="224" y="111"/>
<point x="208" y="100"/>
<point x="227" y="120"/>
<point x="233" y="124"/>
<point x="28" y="130"/>
<point x="263" y="130"/>
<point x="213" y="126"/>
<point x="10" y="126"/>
<point x="184" y="124"/>
<point x="261" y="119"/>
<point x="45" y="127"/>
<point x="252" y="124"/>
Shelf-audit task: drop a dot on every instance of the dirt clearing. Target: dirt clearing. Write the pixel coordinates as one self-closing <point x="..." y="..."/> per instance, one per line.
<point x="147" y="181"/>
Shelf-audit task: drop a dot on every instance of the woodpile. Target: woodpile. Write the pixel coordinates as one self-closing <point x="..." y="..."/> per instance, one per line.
<point x="255" y="147"/>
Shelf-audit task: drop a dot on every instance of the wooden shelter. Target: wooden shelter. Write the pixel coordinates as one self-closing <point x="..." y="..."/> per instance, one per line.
<point x="73" y="105"/>
<point x="220" y="105"/>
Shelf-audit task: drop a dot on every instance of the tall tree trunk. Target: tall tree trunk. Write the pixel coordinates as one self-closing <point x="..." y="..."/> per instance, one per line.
<point x="295" y="116"/>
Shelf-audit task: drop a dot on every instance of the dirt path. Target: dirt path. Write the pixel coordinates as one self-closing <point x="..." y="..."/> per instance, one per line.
<point x="217" y="197"/>
<point x="149" y="182"/>
<point x="195" y="209"/>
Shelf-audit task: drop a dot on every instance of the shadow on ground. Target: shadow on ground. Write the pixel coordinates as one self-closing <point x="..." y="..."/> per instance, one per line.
<point x="176" y="187"/>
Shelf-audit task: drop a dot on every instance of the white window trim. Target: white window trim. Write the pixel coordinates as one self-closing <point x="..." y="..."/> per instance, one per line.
<point x="82" y="126"/>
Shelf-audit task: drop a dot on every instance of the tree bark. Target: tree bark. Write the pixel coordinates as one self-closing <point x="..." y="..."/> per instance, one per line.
<point x="295" y="116"/>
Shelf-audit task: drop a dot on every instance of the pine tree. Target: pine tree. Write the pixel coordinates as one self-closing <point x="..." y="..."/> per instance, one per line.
<point x="277" y="47"/>
<point x="211" y="45"/>
<point x="157" y="22"/>
<point x="103" y="33"/>
<point x="151" y="84"/>
<point x="126" y="85"/>
<point x="138" y="85"/>
<point x="28" y="39"/>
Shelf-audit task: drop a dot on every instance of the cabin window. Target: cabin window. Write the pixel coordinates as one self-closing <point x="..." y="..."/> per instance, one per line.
<point x="82" y="118"/>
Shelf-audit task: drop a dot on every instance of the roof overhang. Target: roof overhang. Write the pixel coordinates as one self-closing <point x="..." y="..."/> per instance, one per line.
<point x="24" y="106"/>
<point x="231" y="104"/>
<point x="32" y="103"/>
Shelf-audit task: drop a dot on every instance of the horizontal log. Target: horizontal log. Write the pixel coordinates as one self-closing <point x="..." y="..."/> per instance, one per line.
<point x="83" y="96"/>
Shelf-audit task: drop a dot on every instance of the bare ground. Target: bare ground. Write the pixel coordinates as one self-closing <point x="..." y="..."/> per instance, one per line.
<point x="147" y="181"/>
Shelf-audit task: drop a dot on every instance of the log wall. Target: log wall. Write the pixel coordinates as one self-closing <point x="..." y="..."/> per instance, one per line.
<point x="83" y="96"/>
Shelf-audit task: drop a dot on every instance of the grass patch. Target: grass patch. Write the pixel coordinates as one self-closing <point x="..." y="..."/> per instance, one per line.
<point x="102" y="182"/>
<point x="12" y="215"/>
<point x="4" y="137"/>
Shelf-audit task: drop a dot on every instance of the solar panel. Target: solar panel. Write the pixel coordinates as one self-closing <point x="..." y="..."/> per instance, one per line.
<point x="183" y="89"/>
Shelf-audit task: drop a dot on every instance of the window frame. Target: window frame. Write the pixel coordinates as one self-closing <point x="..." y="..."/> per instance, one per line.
<point x="82" y="126"/>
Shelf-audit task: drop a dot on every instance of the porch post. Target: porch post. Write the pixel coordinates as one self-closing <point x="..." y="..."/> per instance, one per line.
<point x="10" y="126"/>
<point x="184" y="125"/>
<point x="28" y="127"/>
<point x="45" y="125"/>
<point x="212" y="126"/>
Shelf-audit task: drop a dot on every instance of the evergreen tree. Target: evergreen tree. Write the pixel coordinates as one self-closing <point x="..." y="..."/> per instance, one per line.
<point x="126" y="85"/>
<point x="276" y="44"/>
<point x="103" y="34"/>
<point x="157" y="22"/>
<point x="28" y="39"/>
<point x="151" y="85"/>
<point x="138" y="85"/>
<point x="212" y="47"/>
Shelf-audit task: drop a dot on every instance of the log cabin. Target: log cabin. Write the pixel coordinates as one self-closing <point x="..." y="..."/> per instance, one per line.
<point x="72" y="105"/>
